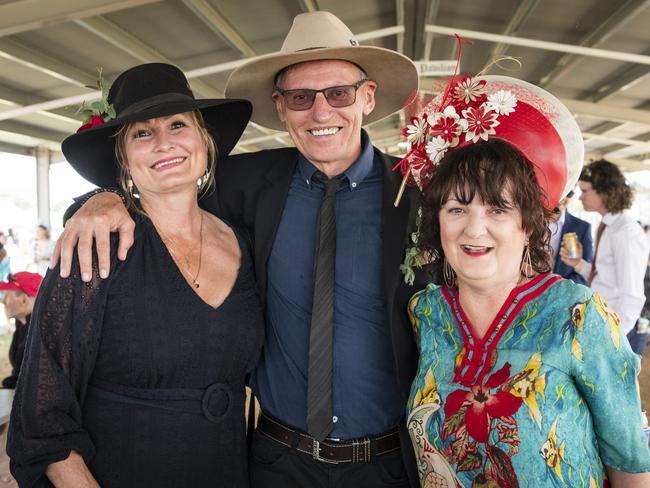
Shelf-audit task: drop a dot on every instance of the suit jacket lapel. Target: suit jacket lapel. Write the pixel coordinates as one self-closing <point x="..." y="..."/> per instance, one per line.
<point x="395" y="222"/>
<point x="270" y="205"/>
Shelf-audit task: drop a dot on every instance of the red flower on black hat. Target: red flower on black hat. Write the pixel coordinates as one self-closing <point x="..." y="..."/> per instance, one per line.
<point x="95" y="120"/>
<point x="99" y="111"/>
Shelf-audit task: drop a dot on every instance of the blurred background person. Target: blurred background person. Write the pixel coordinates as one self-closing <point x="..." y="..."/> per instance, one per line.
<point x="5" y="266"/>
<point x="621" y="249"/>
<point x="14" y="254"/>
<point x="20" y="290"/>
<point x="562" y="222"/>
<point x="43" y="246"/>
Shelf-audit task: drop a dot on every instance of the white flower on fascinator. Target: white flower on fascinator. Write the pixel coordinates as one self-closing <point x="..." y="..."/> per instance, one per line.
<point x="448" y="125"/>
<point x="480" y="123"/>
<point x="503" y="102"/>
<point x="415" y="131"/>
<point x="436" y="148"/>
<point x="469" y="89"/>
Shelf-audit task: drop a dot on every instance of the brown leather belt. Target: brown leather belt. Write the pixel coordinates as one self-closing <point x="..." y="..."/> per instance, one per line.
<point x="329" y="451"/>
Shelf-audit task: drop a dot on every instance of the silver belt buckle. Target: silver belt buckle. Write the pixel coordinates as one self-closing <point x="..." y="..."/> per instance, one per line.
<point x="315" y="452"/>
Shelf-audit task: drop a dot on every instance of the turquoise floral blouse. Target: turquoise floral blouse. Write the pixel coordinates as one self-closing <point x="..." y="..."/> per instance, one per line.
<point x="545" y="399"/>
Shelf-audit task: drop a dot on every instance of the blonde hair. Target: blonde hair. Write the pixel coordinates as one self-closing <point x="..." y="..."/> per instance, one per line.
<point x="123" y="166"/>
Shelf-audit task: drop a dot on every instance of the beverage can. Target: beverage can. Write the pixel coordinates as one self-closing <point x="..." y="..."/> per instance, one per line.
<point x="570" y="243"/>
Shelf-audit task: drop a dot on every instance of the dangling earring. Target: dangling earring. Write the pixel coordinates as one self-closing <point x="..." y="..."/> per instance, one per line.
<point x="133" y="190"/>
<point x="448" y="274"/>
<point x="526" y="267"/>
<point x="202" y="182"/>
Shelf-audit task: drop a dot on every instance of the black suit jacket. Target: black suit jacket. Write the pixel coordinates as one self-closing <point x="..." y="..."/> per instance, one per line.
<point x="252" y="190"/>
<point x="583" y="231"/>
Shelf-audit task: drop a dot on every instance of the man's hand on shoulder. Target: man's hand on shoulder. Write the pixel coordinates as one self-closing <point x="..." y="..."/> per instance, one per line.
<point x="102" y="214"/>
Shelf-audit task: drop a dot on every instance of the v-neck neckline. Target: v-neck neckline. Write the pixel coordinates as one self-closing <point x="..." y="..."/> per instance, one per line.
<point x="180" y="276"/>
<point x="478" y="353"/>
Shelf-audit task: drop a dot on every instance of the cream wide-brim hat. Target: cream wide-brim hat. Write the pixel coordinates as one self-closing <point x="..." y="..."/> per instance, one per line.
<point x="318" y="36"/>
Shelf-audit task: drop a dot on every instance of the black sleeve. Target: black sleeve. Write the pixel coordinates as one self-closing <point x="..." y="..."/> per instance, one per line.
<point x="62" y="343"/>
<point x="16" y="353"/>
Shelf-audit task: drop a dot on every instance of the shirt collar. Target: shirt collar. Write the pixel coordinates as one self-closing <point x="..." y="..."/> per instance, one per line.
<point x="610" y="218"/>
<point x="355" y="174"/>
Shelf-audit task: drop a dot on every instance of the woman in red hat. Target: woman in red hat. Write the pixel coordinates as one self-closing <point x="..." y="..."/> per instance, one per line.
<point x="137" y="379"/>
<point x="523" y="377"/>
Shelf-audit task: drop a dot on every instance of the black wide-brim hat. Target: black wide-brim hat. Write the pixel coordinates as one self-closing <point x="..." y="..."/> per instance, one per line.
<point x="146" y="92"/>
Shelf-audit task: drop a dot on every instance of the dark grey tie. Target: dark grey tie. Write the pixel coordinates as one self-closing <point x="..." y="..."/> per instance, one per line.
<point x="319" y="374"/>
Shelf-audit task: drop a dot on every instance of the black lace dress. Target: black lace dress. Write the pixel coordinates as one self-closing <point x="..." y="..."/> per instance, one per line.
<point x="138" y="375"/>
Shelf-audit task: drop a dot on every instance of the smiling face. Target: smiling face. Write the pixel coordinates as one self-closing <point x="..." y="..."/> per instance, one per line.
<point x="165" y="154"/>
<point x="329" y="137"/>
<point x="483" y="244"/>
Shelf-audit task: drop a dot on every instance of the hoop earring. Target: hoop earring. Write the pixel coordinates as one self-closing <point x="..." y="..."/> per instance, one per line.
<point x="526" y="267"/>
<point x="448" y="274"/>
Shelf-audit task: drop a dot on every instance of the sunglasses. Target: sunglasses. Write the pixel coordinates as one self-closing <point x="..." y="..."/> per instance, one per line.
<point x="336" y="96"/>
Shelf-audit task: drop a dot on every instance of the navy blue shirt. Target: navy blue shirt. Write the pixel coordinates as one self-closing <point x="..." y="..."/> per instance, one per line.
<point x="366" y="396"/>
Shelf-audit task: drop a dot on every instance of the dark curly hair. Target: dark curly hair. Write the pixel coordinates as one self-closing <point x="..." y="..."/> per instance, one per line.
<point x="608" y="181"/>
<point x="487" y="170"/>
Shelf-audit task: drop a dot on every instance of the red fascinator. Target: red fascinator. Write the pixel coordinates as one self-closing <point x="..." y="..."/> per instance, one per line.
<point x="472" y="109"/>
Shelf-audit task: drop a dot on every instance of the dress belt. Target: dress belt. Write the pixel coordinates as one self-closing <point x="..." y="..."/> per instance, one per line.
<point x="213" y="402"/>
<point x="329" y="451"/>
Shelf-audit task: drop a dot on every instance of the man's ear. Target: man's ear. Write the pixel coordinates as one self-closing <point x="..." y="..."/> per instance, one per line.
<point x="368" y="93"/>
<point x="279" y="106"/>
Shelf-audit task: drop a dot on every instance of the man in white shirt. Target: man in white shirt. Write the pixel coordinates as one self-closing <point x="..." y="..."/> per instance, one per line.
<point x="621" y="249"/>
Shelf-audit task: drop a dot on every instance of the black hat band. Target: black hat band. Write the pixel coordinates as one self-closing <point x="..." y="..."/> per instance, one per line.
<point x="154" y="101"/>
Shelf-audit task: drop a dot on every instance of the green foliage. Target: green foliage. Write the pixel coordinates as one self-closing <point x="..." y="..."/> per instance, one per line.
<point x="100" y="107"/>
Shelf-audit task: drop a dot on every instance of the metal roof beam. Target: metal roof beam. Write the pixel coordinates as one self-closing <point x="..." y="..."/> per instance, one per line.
<point x="399" y="20"/>
<point x="621" y="82"/>
<point x="605" y="112"/>
<point x="423" y="13"/>
<point x="18" y="97"/>
<point x="625" y="13"/>
<point x="32" y="131"/>
<point x="430" y="18"/>
<point x="28" y="15"/>
<point x="220" y="25"/>
<point x="414" y="12"/>
<point x="7" y="147"/>
<point x="539" y="44"/>
<point x="308" y="5"/>
<point x="121" y="39"/>
<point x="516" y="21"/>
<point x="25" y="55"/>
<point x="620" y="142"/>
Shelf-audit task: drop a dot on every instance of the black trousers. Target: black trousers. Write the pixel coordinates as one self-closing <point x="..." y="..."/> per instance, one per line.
<point x="273" y="465"/>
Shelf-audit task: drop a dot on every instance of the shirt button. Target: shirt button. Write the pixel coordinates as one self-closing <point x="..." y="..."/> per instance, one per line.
<point x="335" y="419"/>
<point x="354" y="184"/>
